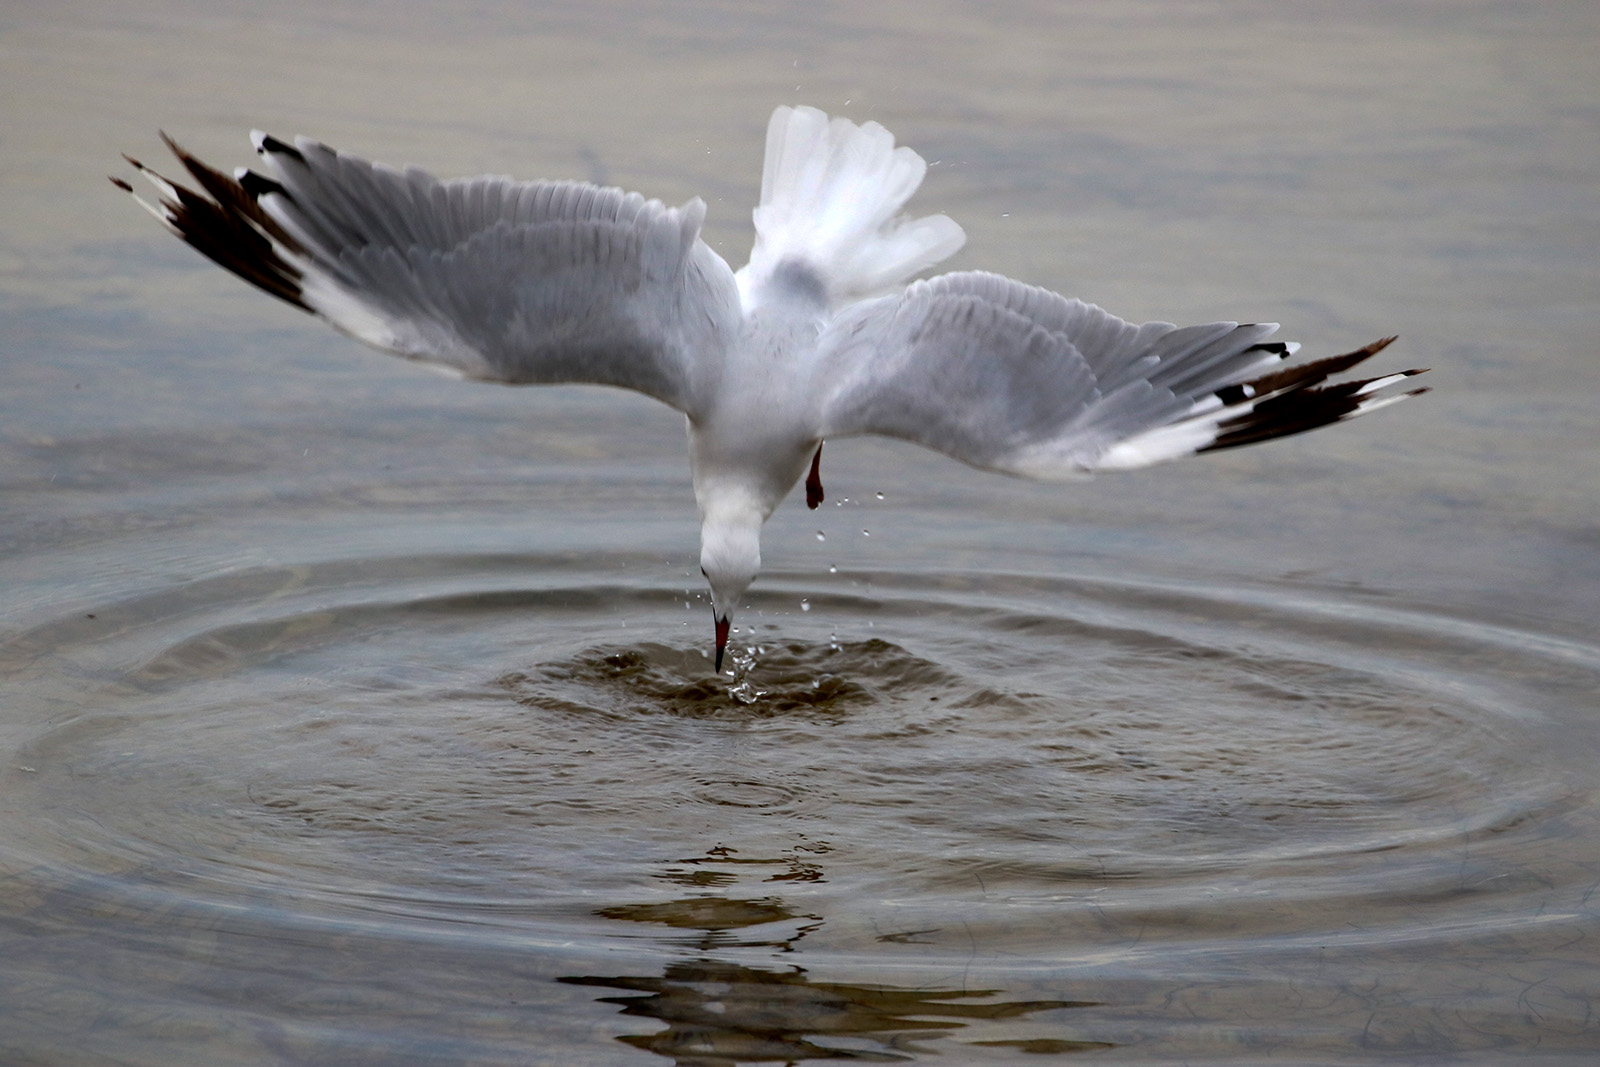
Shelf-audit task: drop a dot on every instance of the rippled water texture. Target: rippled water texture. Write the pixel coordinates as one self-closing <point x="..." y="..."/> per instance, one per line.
<point x="352" y="716"/>
<point x="1056" y="800"/>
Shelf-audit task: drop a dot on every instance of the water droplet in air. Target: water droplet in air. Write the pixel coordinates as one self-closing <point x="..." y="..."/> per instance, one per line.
<point x="833" y="570"/>
<point x="805" y="605"/>
<point x="866" y="533"/>
<point x="880" y="496"/>
<point x="821" y="536"/>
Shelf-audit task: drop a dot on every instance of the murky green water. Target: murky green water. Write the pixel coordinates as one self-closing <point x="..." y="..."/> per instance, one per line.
<point x="356" y="716"/>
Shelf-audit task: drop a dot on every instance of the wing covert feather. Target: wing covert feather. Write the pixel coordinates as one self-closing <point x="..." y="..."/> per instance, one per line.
<point x="516" y="282"/>
<point x="1014" y="378"/>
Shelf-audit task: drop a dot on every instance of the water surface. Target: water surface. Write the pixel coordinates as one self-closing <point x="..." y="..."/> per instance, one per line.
<point x="357" y="716"/>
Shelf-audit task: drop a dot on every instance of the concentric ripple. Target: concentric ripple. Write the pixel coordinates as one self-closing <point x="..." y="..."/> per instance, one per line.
<point x="489" y="752"/>
<point x="443" y="737"/>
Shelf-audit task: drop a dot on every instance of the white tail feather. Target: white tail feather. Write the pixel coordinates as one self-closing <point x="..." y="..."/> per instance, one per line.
<point x="831" y="194"/>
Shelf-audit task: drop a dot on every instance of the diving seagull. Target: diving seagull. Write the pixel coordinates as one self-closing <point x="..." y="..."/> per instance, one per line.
<point x="822" y="334"/>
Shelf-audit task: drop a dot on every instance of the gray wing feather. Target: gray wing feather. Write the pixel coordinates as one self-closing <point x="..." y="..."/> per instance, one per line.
<point x="518" y="282"/>
<point x="1014" y="378"/>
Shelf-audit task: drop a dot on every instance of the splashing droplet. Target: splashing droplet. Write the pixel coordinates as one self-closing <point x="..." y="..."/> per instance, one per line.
<point x="805" y="605"/>
<point x="821" y="536"/>
<point x="866" y="533"/>
<point x="880" y="496"/>
<point x="740" y="662"/>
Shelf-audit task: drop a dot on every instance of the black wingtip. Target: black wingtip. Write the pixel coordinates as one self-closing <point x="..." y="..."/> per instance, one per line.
<point x="225" y="223"/>
<point x="258" y="186"/>
<point x="119" y="183"/>
<point x="270" y="143"/>
<point x="1295" y="399"/>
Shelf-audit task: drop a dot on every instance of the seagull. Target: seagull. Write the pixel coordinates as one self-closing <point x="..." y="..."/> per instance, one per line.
<point x="822" y="334"/>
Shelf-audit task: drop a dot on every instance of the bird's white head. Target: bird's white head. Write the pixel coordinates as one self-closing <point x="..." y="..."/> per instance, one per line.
<point x="730" y="556"/>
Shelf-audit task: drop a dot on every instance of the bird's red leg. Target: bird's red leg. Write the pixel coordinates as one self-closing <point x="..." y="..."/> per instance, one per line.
<point x="814" y="480"/>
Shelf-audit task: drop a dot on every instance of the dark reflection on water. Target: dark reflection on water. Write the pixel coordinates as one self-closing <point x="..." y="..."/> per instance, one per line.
<point x="721" y="1013"/>
<point x="799" y="864"/>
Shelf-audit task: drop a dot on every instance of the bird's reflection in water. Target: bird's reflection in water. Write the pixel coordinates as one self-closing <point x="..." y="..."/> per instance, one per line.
<point x="720" y="1014"/>
<point x="712" y="923"/>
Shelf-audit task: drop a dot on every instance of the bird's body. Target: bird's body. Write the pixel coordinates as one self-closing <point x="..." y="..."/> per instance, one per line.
<point x="818" y="336"/>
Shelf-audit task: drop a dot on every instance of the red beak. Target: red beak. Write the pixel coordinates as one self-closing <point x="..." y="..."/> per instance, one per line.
<point x="722" y="640"/>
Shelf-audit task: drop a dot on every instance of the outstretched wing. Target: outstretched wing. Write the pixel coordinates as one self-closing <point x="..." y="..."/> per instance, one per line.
<point x="516" y="282"/>
<point x="1013" y="378"/>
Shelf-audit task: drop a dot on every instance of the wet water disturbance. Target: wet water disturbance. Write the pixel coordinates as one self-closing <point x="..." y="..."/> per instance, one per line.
<point x="353" y="716"/>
